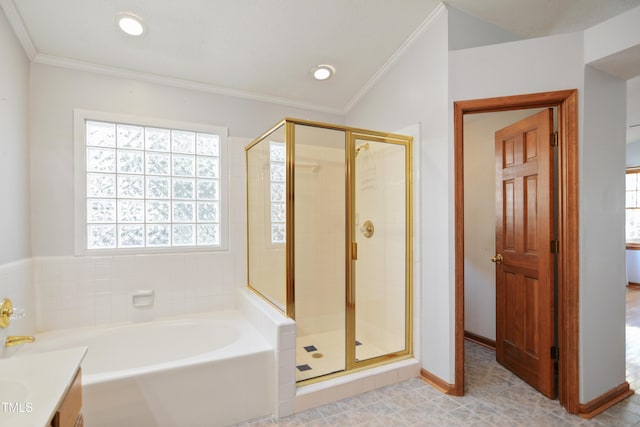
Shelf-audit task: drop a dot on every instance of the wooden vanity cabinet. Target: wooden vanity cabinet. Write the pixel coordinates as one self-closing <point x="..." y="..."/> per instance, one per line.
<point x="69" y="413"/>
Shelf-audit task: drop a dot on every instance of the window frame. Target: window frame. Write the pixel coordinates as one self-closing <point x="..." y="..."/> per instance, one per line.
<point x="632" y="170"/>
<point x="81" y="116"/>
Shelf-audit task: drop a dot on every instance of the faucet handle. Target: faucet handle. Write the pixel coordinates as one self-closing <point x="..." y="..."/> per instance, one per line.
<point x="18" y="313"/>
<point x="7" y="313"/>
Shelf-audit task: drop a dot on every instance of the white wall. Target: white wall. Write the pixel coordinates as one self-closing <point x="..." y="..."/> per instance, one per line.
<point x="414" y="90"/>
<point x="633" y="111"/>
<point x="476" y="32"/>
<point x="633" y="154"/>
<point x="613" y="46"/>
<point x="517" y="68"/>
<point x="15" y="247"/>
<point x="14" y="148"/>
<point x="602" y="247"/>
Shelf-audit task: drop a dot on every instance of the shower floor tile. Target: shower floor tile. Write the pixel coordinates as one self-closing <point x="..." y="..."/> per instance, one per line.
<point x="328" y="345"/>
<point x="324" y="353"/>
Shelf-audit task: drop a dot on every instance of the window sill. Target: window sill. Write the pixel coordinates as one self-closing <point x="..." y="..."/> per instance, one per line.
<point x="175" y="250"/>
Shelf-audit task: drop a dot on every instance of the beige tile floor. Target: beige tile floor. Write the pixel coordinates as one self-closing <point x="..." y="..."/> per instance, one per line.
<point x="494" y="397"/>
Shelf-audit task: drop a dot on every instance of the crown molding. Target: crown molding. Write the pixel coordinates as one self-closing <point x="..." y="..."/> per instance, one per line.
<point x="441" y="8"/>
<point x="73" y="64"/>
<point x="18" y="28"/>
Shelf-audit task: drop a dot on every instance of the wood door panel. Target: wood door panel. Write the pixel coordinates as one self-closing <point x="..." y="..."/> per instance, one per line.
<point x="511" y="309"/>
<point x="521" y="306"/>
<point x="530" y="214"/>
<point x="531" y="145"/>
<point x="531" y="342"/>
<point x="509" y="216"/>
<point x="508" y="153"/>
<point x="521" y="344"/>
<point x="524" y="228"/>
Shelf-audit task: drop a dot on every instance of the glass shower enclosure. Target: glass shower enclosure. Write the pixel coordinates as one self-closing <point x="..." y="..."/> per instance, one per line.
<point x="329" y="241"/>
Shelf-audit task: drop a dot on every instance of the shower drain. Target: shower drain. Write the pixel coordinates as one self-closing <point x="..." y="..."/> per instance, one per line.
<point x="317" y="355"/>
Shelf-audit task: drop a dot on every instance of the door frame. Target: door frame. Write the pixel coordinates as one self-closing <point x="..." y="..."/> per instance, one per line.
<point x="568" y="262"/>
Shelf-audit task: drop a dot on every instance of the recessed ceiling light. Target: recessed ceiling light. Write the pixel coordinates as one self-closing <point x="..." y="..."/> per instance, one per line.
<point x="130" y="24"/>
<point x="323" y="72"/>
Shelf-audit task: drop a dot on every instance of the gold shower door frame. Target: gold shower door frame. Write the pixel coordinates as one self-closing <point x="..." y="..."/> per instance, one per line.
<point x="351" y="136"/>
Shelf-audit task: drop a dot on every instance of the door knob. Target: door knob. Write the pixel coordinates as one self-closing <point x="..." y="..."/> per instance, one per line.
<point x="497" y="259"/>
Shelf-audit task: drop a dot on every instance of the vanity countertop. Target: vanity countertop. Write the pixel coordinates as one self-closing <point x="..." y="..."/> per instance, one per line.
<point x="33" y="386"/>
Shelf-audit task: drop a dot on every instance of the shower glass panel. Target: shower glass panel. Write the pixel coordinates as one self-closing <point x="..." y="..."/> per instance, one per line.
<point x="319" y="251"/>
<point x="329" y="241"/>
<point x="266" y="220"/>
<point x="380" y="200"/>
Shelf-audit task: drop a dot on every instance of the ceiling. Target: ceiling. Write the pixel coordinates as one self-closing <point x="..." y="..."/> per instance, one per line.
<point x="265" y="49"/>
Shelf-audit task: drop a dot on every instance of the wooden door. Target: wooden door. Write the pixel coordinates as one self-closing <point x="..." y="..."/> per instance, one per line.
<point x="524" y="262"/>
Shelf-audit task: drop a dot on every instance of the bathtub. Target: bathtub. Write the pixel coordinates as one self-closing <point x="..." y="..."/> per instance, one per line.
<point x="210" y="369"/>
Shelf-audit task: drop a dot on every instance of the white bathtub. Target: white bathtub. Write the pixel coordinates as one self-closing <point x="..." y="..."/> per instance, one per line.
<point x="209" y="369"/>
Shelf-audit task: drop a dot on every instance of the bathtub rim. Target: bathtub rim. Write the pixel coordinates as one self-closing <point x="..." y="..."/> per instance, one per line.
<point x="250" y="341"/>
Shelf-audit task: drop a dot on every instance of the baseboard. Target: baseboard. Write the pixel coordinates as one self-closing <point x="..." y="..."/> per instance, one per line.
<point x="437" y="382"/>
<point x="605" y="401"/>
<point x="486" y="342"/>
<point x="633" y="285"/>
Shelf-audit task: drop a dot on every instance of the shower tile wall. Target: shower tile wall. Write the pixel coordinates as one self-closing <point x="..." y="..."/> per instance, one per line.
<point x="380" y="278"/>
<point x="320" y="241"/>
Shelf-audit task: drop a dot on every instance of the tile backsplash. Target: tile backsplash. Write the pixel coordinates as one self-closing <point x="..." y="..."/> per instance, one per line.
<point x="88" y="291"/>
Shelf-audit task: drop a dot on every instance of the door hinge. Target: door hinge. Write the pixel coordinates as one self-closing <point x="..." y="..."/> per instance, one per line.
<point x="554" y="139"/>
<point x="354" y="251"/>
<point x="555" y="246"/>
<point x="555" y="353"/>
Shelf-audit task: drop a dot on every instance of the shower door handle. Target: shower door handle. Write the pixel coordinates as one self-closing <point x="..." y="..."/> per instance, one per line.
<point x="367" y="229"/>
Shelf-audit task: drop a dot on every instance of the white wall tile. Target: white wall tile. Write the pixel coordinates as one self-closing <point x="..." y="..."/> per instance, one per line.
<point x="287" y="341"/>
<point x="285" y="408"/>
<point x="75" y="290"/>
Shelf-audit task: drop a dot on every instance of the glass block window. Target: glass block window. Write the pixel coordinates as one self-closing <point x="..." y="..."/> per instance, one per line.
<point x="632" y="226"/>
<point x="277" y="179"/>
<point x="151" y="187"/>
